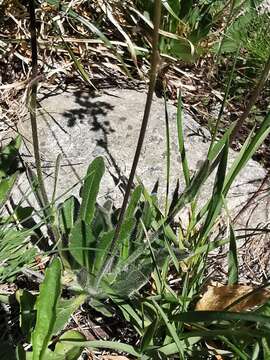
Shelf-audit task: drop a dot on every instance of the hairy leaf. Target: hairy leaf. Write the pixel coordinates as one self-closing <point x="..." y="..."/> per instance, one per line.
<point x="65" y="308"/>
<point x="46" y="307"/>
<point x="90" y="189"/>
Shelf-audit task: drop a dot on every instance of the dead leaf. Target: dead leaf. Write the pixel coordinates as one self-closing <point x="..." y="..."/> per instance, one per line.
<point x="219" y="297"/>
<point x="218" y="353"/>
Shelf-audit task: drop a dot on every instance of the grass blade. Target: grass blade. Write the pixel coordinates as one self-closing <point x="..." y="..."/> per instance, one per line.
<point x="78" y="65"/>
<point x="228" y="86"/>
<point x="232" y="261"/>
<point x="250" y="148"/>
<point x="192" y="190"/>
<point x="56" y="174"/>
<point x="217" y="196"/>
<point x="168" y="152"/>
<point x="181" y="144"/>
<point x="167" y="6"/>
<point x="210" y="316"/>
<point x="134" y="200"/>
<point x="171" y="329"/>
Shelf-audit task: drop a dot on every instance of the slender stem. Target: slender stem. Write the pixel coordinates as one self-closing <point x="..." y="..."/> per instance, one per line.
<point x="215" y="132"/>
<point x="252" y="99"/>
<point x="232" y="3"/>
<point x="52" y="229"/>
<point x="33" y="101"/>
<point x="152" y="82"/>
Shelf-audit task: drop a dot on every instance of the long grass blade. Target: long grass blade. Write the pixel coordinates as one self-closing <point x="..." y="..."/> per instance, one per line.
<point x="168" y="153"/>
<point x="181" y="144"/>
<point x="249" y="149"/>
<point x="217" y="196"/>
<point x="232" y="260"/>
<point x="209" y="316"/>
<point x="172" y="330"/>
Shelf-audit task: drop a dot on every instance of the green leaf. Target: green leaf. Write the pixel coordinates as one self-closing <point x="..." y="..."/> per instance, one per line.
<point x="233" y="261"/>
<point x="124" y="239"/>
<point x="181" y="143"/>
<point x="27" y="312"/>
<point x="131" y="275"/>
<point x="186" y="7"/>
<point x="266" y="348"/>
<point x="210" y="316"/>
<point x="202" y="28"/>
<point x="101" y="307"/>
<point x="9" y="157"/>
<point x="46" y="307"/>
<point x="81" y="241"/>
<point x="173" y="8"/>
<point x="90" y="189"/>
<point x="193" y="189"/>
<point x="217" y="196"/>
<point x="171" y="348"/>
<point x="78" y="65"/>
<point x="150" y="212"/>
<point x="102" y="221"/>
<point x="15" y="252"/>
<point x="134" y="199"/>
<point x="168" y="152"/>
<point x="264" y="309"/>
<point x="65" y="308"/>
<point x="247" y="151"/>
<point x="132" y="313"/>
<point x="171" y="328"/>
<point x="23" y="213"/>
<point x="68" y="213"/>
<point x="182" y="49"/>
<point x="109" y="14"/>
<point x="213" y="154"/>
<point x="148" y="336"/>
<point x="6" y="186"/>
<point x="64" y="350"/>
<point x="214" y="151"/>
<point x="100" y="344"/>
<point x="103" y="245"/>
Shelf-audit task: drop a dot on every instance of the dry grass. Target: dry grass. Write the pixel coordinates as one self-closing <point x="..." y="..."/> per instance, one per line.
<point x="101" y="44"/>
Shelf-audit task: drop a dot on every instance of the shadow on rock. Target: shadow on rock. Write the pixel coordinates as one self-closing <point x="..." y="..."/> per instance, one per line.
<point x="94" y="112"/>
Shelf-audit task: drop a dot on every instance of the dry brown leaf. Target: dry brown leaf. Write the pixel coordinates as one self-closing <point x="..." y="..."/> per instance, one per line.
<point x="218" y="298"/>
<point x="217" y="352"/>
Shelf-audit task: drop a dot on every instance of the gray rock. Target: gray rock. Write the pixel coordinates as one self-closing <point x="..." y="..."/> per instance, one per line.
<point x="82" y="125"/>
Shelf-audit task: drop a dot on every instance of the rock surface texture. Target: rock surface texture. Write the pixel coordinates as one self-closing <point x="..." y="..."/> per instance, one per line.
<point x="82" y="125"/>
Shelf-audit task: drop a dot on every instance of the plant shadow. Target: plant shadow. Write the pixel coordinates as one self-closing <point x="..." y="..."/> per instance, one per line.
<point x="96" y="112"/>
